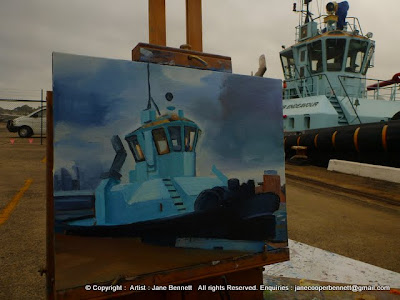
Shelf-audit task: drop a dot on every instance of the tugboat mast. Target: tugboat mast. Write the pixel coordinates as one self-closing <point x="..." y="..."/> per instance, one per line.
<point x="306" y="15"/>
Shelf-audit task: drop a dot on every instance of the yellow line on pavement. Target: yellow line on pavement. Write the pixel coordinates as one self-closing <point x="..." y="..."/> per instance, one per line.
<point x="6" y="212"/>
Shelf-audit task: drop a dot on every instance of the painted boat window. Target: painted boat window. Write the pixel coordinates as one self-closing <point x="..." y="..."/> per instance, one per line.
<point x="176" y="139"/>
<point x="160" y="140"/>
<point x="356" y="55"/>
<point x="335" y="54"/>
<point x="369" y="57"/>
<point x="135" y="148"/>
<point x="190" y="134"/>
<point x="315" y="56"/>
<point x="288" y="64"/>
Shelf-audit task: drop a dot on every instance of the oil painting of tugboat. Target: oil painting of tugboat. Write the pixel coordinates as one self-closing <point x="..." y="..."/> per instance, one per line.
<point x="166" y="154"/>
<point x="329" y="104"/>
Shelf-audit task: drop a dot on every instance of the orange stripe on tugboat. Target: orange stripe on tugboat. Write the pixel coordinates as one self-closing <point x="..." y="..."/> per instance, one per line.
<point x="334" y="139"/>
<point x="316" y="140"/>
<point x="355" y="139"/>
<point x="384" y="134"/>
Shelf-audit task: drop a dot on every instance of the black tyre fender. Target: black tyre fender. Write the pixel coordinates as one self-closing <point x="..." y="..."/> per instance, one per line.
<point x="25" y="132"/>
<point x="209" y="199"/>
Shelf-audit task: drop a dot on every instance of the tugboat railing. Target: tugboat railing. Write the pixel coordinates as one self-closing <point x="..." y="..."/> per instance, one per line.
<point x="348" y="98"/>
<point x="332" y="91"/>
<point x="305" y="88"/>
<point x="386" y="93"/>
<point x="299" y="95"/>
<point x="353" y="23"/>
<point x="353" y="26"/>
<point x="312" y="93"/>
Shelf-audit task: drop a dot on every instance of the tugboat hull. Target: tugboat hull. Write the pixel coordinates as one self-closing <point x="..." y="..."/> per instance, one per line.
<point x="374" y="143"/>
<point x="231" y="219"/>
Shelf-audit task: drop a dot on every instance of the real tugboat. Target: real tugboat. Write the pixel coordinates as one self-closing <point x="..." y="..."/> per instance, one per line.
<point x="329" y="105"/>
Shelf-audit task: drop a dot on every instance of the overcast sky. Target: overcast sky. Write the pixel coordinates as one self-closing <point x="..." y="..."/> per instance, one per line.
<point x="32" y="30"/>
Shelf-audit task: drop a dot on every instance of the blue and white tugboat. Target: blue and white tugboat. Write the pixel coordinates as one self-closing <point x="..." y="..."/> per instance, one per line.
<point x="326" y="86"/>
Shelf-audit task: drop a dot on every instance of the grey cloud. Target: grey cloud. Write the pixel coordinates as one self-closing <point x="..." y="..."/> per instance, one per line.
<point x="32" y="30"/>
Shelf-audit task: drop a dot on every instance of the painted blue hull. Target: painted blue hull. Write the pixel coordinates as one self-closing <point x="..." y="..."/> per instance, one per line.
<point x="221" y="223"/>
<point x="241" y="218"/>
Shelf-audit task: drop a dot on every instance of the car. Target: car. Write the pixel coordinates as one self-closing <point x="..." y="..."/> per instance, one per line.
<point x="26" y="126"/>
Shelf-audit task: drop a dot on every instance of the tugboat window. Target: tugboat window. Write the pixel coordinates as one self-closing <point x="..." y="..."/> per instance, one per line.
<point x="288" y="64"/>
<point x="307" y="122"/>
<point x="335" y="54"/>
<point x="190" y="133"/>
<point x="369" y="57"/>
<point x="135" y="148"/>
<point x="302" y="55"/>
<point x="176" y="140"/>
<point x="291" y="122"/>
<point x="302" y="72"/>
<point x="160" y="140"/>
<point x="355" y="57"/>
<point x="315" y="55"/>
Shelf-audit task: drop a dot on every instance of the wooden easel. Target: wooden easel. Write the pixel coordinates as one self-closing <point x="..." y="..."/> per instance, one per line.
<point x="188" y="55"/>
<point x="244" y="270"/>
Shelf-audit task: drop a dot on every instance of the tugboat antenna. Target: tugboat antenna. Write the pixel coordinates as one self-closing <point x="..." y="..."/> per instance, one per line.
<point x="151" y="100"/>
<point x="308" y="14"/>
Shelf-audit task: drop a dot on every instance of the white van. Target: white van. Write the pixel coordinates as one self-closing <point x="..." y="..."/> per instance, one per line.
<point x="34" y="123"/>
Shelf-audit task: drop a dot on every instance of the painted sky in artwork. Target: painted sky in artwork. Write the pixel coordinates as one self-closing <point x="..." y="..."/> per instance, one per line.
<point x="94" y="99"/>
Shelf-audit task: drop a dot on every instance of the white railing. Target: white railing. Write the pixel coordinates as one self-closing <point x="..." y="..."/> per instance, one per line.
<point x="390" y="92"/>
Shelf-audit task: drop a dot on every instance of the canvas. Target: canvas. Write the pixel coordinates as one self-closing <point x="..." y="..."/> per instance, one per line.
<point x="166" y="156"/>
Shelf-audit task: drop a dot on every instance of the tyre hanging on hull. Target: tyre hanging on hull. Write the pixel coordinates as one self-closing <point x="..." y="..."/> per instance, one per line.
<point x="374" y="143"/>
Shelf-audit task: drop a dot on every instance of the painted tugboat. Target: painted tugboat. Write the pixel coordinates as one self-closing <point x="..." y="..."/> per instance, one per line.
<point x="164" y="199"/>
<point x="328" y="102"/>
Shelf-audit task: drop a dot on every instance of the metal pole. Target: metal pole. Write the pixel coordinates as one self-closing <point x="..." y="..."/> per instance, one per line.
<point x="50" y="249"/>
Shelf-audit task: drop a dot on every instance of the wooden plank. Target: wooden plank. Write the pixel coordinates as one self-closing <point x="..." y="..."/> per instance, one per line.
<point x="50" y="272"/>
<point x="134" y="259"/>
<point x="184" y="275"/>
<point x="157" y="25"/>
<point x="181" y="57"/>
<point x="194" y="25"/>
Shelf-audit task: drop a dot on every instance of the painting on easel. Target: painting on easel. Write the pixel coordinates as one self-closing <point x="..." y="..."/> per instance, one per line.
<point x="169" y="156"/>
